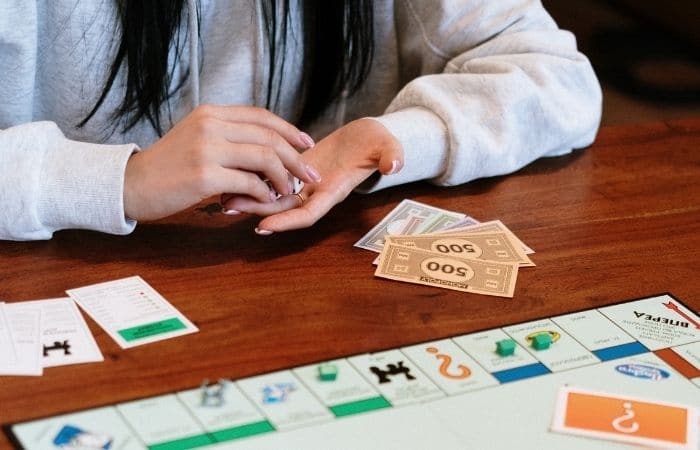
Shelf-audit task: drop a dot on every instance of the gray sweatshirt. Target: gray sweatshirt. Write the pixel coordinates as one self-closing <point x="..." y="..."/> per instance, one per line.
<point x="471" y="88"/>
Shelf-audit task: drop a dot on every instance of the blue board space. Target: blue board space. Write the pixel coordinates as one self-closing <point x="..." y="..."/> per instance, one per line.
<point x="520" y="373"/>
<point x="620" y="351"/>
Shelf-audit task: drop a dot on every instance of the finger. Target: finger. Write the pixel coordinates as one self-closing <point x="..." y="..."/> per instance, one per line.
<point x="313" y="209"/>
<point x="246" y="133"/>
<point x="254" y="158"/>
<point x="252" y="206"/>
<point x="262" y="117"/>
<point x="390" y="161"/>
<point x="223" y="198"/>
<point x="240" y="182"/>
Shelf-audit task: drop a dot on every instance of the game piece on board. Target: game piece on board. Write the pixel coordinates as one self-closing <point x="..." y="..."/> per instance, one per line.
<point x="505" y="347"/>
<point x="541" y="341"/>
<point x="277" y="392"/>
<point x="327" y="372"/>
<point x="70" y="436"/>
<point x="213" y="395"/>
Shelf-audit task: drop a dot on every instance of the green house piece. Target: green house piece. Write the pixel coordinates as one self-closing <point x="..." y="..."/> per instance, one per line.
<point x="542" y="341"/>
<point x="505" y="347"/>
<point x="327" y="372"/>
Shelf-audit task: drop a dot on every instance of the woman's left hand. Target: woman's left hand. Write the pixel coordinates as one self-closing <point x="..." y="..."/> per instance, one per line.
<point x="345" y="158"/>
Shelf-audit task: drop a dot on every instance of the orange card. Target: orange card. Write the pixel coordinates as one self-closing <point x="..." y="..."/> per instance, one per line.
<point x="627" y="419"/>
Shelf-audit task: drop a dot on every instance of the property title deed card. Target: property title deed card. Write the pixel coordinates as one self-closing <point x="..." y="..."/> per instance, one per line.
<point x="131" y="311"/>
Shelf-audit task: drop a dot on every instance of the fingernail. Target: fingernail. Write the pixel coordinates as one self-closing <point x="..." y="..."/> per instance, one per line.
<point x="273" y="196"/>
<point x="262" y="232"/>
<point x="290" y="187"/>
<point x="230" y="212"/>
<point x="306" y="139"/>
<point x="395" y="167"/>
<point x="313" y="173"/>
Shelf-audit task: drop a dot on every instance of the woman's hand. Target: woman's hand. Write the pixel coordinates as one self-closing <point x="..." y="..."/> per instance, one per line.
<point x="215" y="149"/>
<point x="344" y="159"/>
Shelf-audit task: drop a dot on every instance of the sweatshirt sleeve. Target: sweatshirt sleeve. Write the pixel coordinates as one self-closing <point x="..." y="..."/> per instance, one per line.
<point x="494" y="85"/>
<point x="49" y="183"/>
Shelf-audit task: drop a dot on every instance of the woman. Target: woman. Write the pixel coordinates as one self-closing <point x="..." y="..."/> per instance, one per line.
<point x="394" y="91"/>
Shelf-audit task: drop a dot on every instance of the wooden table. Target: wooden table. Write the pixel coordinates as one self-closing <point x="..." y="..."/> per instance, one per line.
<point x="617" y="221"/>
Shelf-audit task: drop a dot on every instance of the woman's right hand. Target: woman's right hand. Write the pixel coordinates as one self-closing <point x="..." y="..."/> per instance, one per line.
<point x="215" y="150"/>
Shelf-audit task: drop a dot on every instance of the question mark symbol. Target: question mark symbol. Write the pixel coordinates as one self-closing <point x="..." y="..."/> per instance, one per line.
<point x="629" y="415"/>
<point x="464" y="371"/>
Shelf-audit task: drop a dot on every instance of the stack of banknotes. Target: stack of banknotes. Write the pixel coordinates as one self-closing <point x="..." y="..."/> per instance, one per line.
<point x="421" y="244"/>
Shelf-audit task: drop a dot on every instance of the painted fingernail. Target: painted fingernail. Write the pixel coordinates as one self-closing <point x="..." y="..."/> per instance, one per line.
<point x="313" y="174"/>
<point x="230" y="212"/>
<point x="306" y="139"/>
<point x="395" y="167"/>
<point x="262" y="232"/>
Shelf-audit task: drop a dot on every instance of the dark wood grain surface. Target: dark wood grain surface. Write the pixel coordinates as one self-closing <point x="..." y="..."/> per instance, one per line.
<point x="619" y="220"/>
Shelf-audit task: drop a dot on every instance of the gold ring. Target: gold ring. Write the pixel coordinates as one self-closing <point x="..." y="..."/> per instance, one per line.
<point x="301" y="198"/>
<point x="554" y="335"/>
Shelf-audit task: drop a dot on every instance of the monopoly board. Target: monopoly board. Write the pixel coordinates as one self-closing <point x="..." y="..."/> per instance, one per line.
<point x="490" y="389"/>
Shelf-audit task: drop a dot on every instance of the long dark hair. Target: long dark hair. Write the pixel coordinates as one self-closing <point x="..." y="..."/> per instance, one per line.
<point x="338" y="47"/>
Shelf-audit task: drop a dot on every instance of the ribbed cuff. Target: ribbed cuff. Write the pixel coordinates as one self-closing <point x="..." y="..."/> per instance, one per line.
<point x="423" y="136"/>
<point x="83" y="187"/>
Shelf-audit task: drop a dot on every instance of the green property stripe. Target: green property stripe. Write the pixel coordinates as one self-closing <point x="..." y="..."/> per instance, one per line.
<point x="151" y="329"/>
<point x="242" y="431"/>
<point x="361" y="406"/>
<point x="199" y="440"/>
